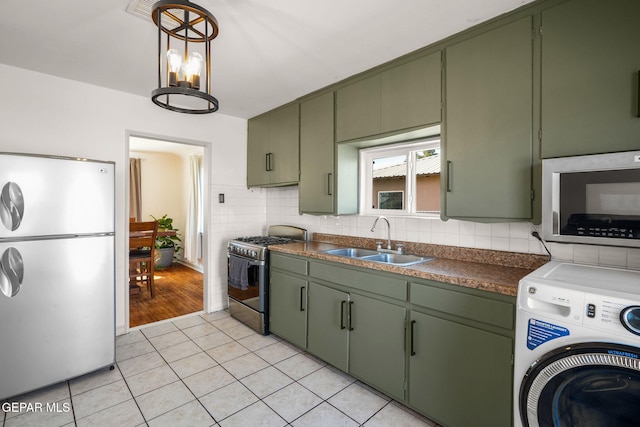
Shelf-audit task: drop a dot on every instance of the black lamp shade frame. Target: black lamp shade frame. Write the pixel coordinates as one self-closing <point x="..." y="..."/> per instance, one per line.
<point x="186" y="23"/>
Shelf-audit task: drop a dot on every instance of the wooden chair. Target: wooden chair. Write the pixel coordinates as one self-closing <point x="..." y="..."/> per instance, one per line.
<point x="142" y="252"/>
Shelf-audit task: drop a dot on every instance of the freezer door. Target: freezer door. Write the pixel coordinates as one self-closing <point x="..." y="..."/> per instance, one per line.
<point x="41" y="196"/>
<point x="59" y="322"/>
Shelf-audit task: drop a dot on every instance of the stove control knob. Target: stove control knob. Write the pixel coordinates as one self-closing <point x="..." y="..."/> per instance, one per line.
<point x="253" y="254"/>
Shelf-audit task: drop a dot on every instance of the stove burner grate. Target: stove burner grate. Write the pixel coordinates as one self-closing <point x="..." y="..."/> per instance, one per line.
<point x="264" y="240"/>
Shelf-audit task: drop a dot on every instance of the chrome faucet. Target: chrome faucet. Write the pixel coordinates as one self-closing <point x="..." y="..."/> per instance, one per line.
<point x="373" y="227"/>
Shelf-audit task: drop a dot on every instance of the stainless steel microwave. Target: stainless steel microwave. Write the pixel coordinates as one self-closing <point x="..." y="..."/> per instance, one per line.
<point x="592" y="199"/>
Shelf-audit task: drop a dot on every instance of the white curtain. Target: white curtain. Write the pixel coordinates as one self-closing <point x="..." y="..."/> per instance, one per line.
<point x="194" y="225"/>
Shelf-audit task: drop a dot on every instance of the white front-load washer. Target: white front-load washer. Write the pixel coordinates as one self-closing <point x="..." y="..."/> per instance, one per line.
<point x="577" y="347"/>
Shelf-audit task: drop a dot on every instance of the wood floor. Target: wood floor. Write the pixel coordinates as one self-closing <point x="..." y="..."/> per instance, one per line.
<point x="178" y="291"/>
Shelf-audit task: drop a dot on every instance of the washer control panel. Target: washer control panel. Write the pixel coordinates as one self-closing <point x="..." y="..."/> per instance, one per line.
<point x="569" y="306"/>
<point x="613" y="314"/>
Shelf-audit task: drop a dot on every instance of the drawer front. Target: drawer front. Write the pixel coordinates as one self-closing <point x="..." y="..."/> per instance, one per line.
<point x="294" y="265"/>
<point x="486" y="310"/>
<point x="369" y="282"/>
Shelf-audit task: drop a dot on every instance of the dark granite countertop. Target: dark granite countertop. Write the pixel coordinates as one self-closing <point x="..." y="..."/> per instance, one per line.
<point x="488" y="270"/>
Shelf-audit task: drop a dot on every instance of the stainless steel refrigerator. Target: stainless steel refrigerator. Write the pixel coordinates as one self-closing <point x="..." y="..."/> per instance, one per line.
<point x="57" y="279"/>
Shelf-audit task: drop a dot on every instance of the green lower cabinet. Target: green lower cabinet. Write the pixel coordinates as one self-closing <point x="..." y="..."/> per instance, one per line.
<point x="287" y="312"/>
<point x="327" y="331"/>
<point x="458" y="375"/>
<point x="377" y="344"/>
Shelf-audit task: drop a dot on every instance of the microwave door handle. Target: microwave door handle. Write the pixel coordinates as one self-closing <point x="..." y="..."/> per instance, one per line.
<point x="555" y="223"/>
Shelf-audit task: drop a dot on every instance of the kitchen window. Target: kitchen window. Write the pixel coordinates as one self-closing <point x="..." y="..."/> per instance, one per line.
<point x="401" y="179"/>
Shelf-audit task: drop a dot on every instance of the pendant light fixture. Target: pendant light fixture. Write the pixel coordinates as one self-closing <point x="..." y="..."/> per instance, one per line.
<point x="184" y="57"/>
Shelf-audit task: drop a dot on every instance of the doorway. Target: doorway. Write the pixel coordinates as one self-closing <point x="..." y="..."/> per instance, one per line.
<point x="167" y="181"/>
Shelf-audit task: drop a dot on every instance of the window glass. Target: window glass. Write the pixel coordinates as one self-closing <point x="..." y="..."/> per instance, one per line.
<point x="401" y="178"/>
<point x="389" y="181"/>
<point x="427" y="180"/>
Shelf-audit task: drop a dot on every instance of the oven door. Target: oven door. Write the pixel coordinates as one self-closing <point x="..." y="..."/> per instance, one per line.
<point x="590" y="384"/>
<point x="246" y="280"/>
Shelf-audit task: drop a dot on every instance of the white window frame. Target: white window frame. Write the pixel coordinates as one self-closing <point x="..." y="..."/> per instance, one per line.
<point x="368" y="155"/>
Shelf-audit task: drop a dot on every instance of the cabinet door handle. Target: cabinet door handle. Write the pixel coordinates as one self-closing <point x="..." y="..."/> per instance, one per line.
<point x="342" y="303"/>
<point x="449" y="176"/>
<point x="266" y="162"/>
<point x="330" y="184"/>
<point x="269" y="162"/>
<point x="301" y="298"/>
<point x="413" y="323"/>
<point x="638" y="96"/>
<point x="351" y="315"/>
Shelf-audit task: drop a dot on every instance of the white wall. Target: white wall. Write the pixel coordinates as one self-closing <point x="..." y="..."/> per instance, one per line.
<point x="164" y="182"/>
<point x="282" y="208"/>
<point x="49" y="115"/>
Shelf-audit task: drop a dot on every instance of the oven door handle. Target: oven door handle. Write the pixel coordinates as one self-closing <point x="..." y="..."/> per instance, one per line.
<point x="251" y="261"/>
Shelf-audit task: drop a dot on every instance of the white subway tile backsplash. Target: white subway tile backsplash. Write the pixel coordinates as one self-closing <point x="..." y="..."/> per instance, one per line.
<point x="482" y="229"/>
<point x="500" y="230"/>
<point x="633" y="259"/>
<point x="613" y="257"/>
<point x="585" y="254"/>
<point x="519" y="245"/>
<point x="519" y="230"/>
<point x="253" y="210"/>
<point x="500" y="243"/>
<point x="561" y="251"/>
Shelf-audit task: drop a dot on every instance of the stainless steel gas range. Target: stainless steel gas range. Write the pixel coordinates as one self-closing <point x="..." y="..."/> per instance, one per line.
<point x="248" y="274"/>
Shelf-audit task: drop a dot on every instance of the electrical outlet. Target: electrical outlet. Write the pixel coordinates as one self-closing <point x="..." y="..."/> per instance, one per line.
<point x="535" y="228"/>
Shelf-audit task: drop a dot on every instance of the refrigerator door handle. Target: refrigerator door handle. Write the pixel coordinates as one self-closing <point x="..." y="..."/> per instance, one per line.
<point x="11" y="272"/>
<point x="11" y="206"/>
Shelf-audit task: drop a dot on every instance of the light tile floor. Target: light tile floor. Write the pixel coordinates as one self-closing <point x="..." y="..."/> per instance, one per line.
<point x="210" y="370"/>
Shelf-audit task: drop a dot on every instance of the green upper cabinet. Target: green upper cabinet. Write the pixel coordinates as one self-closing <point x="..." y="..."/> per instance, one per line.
<point x="258" y="147"/>
<point x="358" y="109"/>
<point x="411" y="94"/>
<point x="328" y="173"/>
<point x="590" y="65"/>
<point x="273" y="148"/>
<point x="317" y="174"/>
<point x="488" y="125"/>
<point x="403" y="97"/>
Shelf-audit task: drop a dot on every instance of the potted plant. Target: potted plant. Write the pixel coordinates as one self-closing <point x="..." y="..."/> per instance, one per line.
<point x="166" y="246"/>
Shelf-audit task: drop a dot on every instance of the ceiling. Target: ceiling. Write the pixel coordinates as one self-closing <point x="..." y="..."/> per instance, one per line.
<point x="267" y="53"/>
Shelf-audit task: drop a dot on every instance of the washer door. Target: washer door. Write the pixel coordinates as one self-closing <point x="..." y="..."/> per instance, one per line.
<point x="590" y="384"/>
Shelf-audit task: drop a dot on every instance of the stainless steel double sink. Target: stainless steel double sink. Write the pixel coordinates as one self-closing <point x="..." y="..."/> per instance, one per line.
<point x="375" y="256"/>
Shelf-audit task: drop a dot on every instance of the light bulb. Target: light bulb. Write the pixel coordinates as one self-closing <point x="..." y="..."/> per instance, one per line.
<point x="192" y="69"/>
<point x="174" y="61"/>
